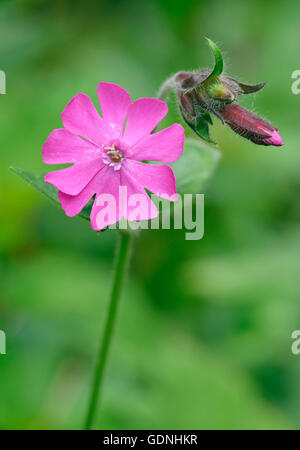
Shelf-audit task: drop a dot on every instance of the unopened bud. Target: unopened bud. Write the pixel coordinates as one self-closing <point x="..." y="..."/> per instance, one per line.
<point x="206" y="92"/>
<point x="250" y="126"/>
<point x="219" y="91"/>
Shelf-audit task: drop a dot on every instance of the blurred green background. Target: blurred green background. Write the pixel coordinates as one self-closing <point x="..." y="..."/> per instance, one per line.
<point x="203" y="338"/>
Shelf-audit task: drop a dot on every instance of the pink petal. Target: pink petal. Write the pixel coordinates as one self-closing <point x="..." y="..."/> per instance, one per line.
<point x="73" y="204"/>
<point x="164" y="146"/>
<point x="63" y="147"/>
<point x="275" y="138"/>
<point x="81" y="117"/>
<point x="143" y="116"/>
<point x="158" y="179"/>
<point x="106" y="209"/>
<point x="75" y="178"/>
<point x="138" y="205"/>
<point x="114" y="103"/>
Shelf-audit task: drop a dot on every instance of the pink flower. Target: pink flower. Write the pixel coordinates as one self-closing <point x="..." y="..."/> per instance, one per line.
<point x="105" y="153"/>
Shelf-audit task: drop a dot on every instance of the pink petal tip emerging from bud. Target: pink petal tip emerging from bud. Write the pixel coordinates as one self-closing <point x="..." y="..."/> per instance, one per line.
<point x="275" y="138"/>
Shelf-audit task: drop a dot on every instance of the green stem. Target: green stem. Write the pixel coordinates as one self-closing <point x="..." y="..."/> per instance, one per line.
<point x="121" y="262"/>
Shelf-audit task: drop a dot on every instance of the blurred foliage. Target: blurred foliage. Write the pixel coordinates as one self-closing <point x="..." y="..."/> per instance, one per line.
<point x="203" y="337"/>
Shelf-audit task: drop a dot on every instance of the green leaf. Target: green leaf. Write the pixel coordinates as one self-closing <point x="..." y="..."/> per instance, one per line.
<point x="37" y="181"/>
<point x="218" y="69"/>
<point x="195" y="167"/>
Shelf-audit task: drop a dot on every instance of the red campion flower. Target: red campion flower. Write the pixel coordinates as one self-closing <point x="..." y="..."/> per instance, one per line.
<point x="106" y="156"/>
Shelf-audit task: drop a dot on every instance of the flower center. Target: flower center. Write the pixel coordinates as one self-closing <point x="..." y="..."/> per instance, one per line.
<point x="113" y="157"/>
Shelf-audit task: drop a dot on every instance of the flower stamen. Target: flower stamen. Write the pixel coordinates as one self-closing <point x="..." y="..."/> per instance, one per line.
<point x="113" y="156"/>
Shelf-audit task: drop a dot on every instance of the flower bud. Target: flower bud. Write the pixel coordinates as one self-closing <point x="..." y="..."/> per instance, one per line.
<point x="206" y="92"/>
<point x="219" y="91"/>
<point x="250" y="126"/>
